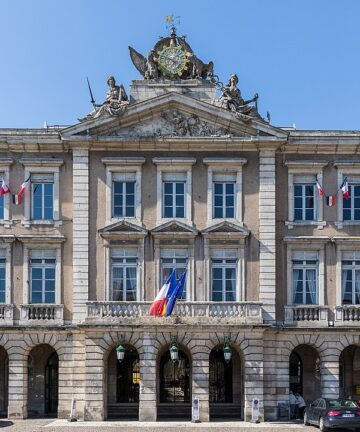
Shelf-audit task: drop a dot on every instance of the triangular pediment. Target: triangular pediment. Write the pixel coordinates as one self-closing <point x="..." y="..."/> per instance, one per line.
<point x="123" y="228"/>
<point x="174" y="227"/>
<point x="172" y="115"/>
<point x="226" y="228"/>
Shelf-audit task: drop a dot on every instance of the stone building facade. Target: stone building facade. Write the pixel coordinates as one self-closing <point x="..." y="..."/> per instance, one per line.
<point x="175" y="178"/>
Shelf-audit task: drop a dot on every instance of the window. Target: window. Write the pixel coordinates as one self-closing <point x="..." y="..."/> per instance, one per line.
<point x="173" y="199"/>
<point x="224" y="200"/>
<point x="42" y="196"/>
<point x="123" y="199"/>
<point x="350" y="277"/>
<point x="2" y="206"/>
<point x="2" y="280"/>
<point x="42" y="277"/>
<point x="174" y="259"/>
<point x="124" y="274"/>
<point x="351" y="206"/>
<point x="305" y="267"/>
<point x="304" y="202"/>
<point x="223" y="275"/>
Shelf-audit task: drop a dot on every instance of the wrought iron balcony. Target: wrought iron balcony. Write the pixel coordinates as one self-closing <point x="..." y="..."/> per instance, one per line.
<point x="306" y="315"/>
<point x="41" y="314"/>
<point x="184" y="312"/>
<point x="6" y="314"/>
<point x="347" y="315"/>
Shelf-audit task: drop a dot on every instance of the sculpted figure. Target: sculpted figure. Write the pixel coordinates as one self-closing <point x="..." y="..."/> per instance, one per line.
<point x="232" y="100"/>
<point x="116" y="100"/>
<point x="152" y="71"/>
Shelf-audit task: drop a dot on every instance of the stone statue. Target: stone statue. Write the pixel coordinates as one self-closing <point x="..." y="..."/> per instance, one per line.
<point x="114" y="104"/>
<point x="232" y="100"/>
<point x="151" y="71"/>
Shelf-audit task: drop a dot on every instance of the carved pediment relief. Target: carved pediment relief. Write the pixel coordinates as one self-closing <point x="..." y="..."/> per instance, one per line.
<point x="121" y="229"/>
<point x="174" y="227"/>
<point x="226" y="228"/>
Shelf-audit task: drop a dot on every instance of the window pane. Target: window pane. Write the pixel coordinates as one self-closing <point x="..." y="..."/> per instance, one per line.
<point x="180" y="188"/>
<point x="50" y="297"/>
<point x="1" y="207"/>
<point x="36" y="297"/>
<point x="180" y="212"/>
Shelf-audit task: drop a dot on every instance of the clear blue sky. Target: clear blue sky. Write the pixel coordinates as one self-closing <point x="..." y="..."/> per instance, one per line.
<point x="301" y="56"/>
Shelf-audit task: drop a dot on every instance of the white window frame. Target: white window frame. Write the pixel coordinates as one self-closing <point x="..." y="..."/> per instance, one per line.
<point x="174" y="165"/>
<point x="36" y="245"/>
<point x="304" y="244"/>
<point x="5" y="165"/>
<point x="216" y="245"/>
<point x="125" y="166"/>
<point x="6" y="252"/>
<point x="124" y="253"/>
<point x="356" y="257"/>
<point x="224" y="254"/>
<point x="305" y="256"/>
<point x="42" y="166"/>
<point x="310" y="171"/>
<point x="109" y="248"/>
<point x="345" y="169"/>
<point x="170" y="253"/>
<point x="42" y="183"/>
<point x="43" y="255"/>
<point x="227" y="167"/>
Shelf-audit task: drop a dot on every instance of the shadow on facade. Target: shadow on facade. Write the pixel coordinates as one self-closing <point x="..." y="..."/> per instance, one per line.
<point x="4" y="378"/>
<point x="225" y="386"/>
<point x="123" y="381"/>
<point x="304" y="372"/>
<point x="43" y="377"/>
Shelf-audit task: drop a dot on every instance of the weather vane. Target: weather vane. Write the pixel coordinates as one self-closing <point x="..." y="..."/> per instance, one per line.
<point x="171" y="22"/>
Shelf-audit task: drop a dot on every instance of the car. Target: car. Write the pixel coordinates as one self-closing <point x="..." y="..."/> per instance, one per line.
<point x="333" y="413"/>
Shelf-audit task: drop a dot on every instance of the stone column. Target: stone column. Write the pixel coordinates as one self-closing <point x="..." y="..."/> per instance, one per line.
<point x="17" y="408"/>
<point x="148" y="393"/>
<point x="330" y="374"/>
<point x="267" y="285"/>
<point x="200" y="383"/>
<point x="80" y="233"/>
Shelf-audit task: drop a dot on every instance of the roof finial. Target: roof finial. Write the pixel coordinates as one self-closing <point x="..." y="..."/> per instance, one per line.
<point x="171" y="20"/>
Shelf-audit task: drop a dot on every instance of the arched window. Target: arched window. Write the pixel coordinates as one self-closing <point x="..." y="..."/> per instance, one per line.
<point x="174" y="379"/>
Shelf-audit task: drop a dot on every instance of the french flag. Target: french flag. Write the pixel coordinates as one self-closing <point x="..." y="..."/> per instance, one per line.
<point x="319" y="188"/>
<point x="158" y="308"/>
<point x="345" y="188"/>
<point x="23" y="187"/>
<point x="176" y="294"/>
<point x="4" y="188"/>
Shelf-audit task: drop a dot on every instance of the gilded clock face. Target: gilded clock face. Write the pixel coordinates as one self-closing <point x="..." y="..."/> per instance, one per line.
<point x="172" y="60"/>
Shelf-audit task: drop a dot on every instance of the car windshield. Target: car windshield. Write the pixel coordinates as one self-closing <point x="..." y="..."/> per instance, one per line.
<point x="342" y="403"/>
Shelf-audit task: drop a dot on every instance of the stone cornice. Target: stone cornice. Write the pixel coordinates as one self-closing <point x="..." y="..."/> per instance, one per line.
<point x="41" y="239"/>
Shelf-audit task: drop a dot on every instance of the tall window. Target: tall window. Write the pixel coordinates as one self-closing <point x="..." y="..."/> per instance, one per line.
<point x="173" y="259"/>
<point x="351" y="206"/>
<point x="2" y="207"/>
<point x="42" y="277"/>
<point x="351" y="278"/>
<point x="173" y="190"/>
<point x="42" y="196"/>
<point x="223" y="275"/>
<point x="2" y="280"/>
<point x="305" y="273"/>
<point x="224" y="200"/>
<point x="123" y="199"/>
<point x="304" y="202"/>
<point x="124" y="274"/>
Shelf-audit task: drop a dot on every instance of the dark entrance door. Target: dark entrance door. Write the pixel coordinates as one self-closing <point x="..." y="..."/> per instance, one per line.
<point x="52" y="385"/>
<point x="295" y="374"/>
<point x="175" y="394"/>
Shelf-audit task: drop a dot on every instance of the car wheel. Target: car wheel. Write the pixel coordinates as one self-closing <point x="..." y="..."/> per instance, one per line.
<point x="306" y="423"/>
<point x="322" y="427"/>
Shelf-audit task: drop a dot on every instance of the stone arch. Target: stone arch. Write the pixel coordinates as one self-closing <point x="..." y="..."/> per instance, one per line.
<point x="349" y="369"/>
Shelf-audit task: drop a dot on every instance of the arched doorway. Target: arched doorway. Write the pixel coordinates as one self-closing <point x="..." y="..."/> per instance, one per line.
<point x="4" y="376"/>
<point x="174" y="401"/>
<point x="305" y="373"/>
<point x="225" y="385"/>
<point x="43" y="382"/>
<point x="123" y="382"/>
<point x="349" y="372"/>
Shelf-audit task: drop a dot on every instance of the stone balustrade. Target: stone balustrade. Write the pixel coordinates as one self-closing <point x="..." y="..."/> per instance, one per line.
<point x="347" y="315"/>
<point x="6" y="314"/>
<point x="223" y="312"/>
<point x="306" y="315"/>
<point x="41" y="314"/>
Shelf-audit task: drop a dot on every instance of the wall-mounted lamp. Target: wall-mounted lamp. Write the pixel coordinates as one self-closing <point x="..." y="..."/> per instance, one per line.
<point x="120" y="353"/>
<point x="227" y="350"/>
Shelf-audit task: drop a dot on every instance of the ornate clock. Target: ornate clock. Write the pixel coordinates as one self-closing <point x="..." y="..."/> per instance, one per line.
<point x="172" y="60"/>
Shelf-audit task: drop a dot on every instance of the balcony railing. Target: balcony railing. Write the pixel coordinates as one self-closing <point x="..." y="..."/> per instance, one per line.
<point x="306" y="315"/>
<point x="184" y="312"/>
<point x="347" y="315"/>
<point x="41" y="314"/>
<point x="6" y="314"/>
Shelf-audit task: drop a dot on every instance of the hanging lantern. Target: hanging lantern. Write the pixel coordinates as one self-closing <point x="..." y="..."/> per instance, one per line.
<point x="120" y="353"/>
<point x="227" y="352"/>
<point x="174" y="352"/>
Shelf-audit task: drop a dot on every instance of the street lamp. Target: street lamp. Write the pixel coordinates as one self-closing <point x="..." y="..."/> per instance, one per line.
<point x="174" y="352"/>
<point x="227" y="351"/>
<point x="120" y="353"/>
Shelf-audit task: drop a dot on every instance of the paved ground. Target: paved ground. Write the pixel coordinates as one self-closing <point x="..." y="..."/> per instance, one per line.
<point x="64" y="426"/>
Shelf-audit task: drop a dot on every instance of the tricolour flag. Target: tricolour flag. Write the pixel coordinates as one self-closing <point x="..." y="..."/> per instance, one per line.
<point x="158" y="308"/>
<point x="4" y="187"/>
<point x="176" y="294"/>
<point x="319" y="188"/>
<point x="16" y="199"/>
<point x="345" y="188"/>
<point x="330" y="200"/>
<point x="23" y="187"/>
